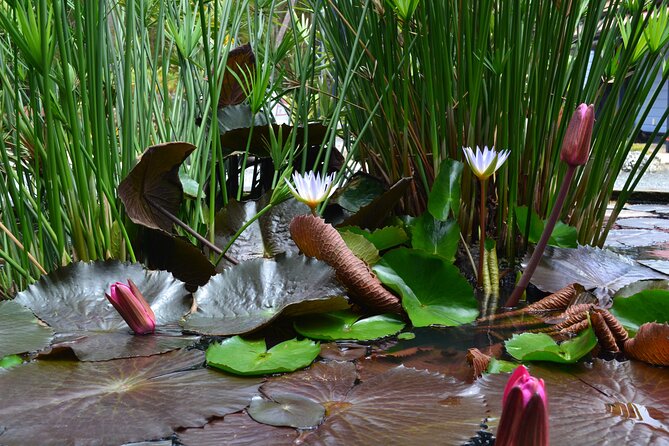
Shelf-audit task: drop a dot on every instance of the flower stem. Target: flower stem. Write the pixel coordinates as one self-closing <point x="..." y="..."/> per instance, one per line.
<point x="541" y="246"/>
<point x="479" y="277"/>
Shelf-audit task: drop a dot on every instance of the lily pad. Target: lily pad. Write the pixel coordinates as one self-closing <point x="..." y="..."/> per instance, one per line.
<point x="434" y="236"/>
<point x="361" y="247"/>
<point x="541" y="347"/>
<point x="432" y="289"/>
<point x="20" y="330"/>
<point x="382" y="238"/>
<point x="238" y="430"/>
<point x="602" y="271"/>
<point x="114" y="402"/>
<point x="399" y="406"/>
<point x="287" y="410"/>
<point x="611" y="401"/>
<point x="153" y="187"/>
<point x="445" y="193"/>
<point x="250" y="295"/>
<point x="10" y="361"/>
<point x="242" y="357"/>
<point x="72" y="301"/>
<point x="340" y="325"/>
<point x="646" y="306"/>
<point x="563" y="235"/>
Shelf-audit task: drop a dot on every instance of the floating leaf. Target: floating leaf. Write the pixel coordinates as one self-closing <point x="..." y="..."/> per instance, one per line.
<point x="541" y="347"/>
<point x="153" y="186"/>
<point x="651" y="344"/>
<point x="348" y="325"/>
<point x="445" y="193"/>
<point x="20" y="330"/>
<point x="501" y="366"/>
<point x="596" y="269"/>
<point x="315" y="238"/>
<point x="382" y="238"/>
<point x="242" y="357"/>
<point x="10" y="361"/>
<point x="646" y="306"/>
<point x="346" y="352"/>
<point x="238" y="430"/>
<point x="250" y="295"/>
<point x="287" y="410"/>
<point x="432" y="290"/>
<point x="400" y="406"/>
<point x="563" y="236"/>
<point x="72" y="301"/>
<point x="612" y="402"/>
<point x="240" y="64"/>
<point x="361" y="247"/>
<point x="113" y="402"/>
<point x="435" y="236"/>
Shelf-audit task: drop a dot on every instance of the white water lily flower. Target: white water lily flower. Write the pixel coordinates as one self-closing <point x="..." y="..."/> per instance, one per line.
<point x="312" y="189"/>
<point x="485" y="163"/>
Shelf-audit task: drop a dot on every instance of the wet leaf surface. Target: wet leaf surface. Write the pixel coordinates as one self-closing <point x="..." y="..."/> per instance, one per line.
<point x="348" y="325"/>
<point x="344" y="352"/>
<point x="541" y="347"/>
<point x="20" y="330"/>
<point x="398" y="407"/>
<point x="646" y="306"/>
<point x="238" y="430"/>
<point x="251" y="357"/>
<point x="114" y="402"/>
<point x="432" y="290"/>
<point x="287" y="410"/>
<point x="72" y="301"/>
<point x="250" y="295"/>
<point x="154" y="183"/>
<point x="623" y="403"/>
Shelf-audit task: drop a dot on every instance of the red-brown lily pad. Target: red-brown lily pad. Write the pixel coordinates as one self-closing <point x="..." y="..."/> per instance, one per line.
<point x="114" y="402"/>
<point x="401" y="406"/>
<point x="237" y="430"/>
<point x="72" y="301"/>
<point x="621" y="402"/>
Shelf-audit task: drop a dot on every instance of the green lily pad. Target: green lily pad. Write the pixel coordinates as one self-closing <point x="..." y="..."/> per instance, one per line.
<point x="115" y="402"/>
<point x="382" y="238"/>
<point x="646" y="306"/>
<point x="435" y="236"/>
<point x="340" y="325"/>
<point x="563" y="235"/>
<point x="242" y="357"/>
<point x="10" y="361"/>
<point x="361" y="247"/>
<point x="432" y="289"/>
<point x="445" y="194"/>
<point x="287" y="410"/>
<point x="500" y="366"/>
<point x="20" y="330"/>
<point x="72" y="301"/>
<point x="541" y="347"/>
<point x="252" y="294"/>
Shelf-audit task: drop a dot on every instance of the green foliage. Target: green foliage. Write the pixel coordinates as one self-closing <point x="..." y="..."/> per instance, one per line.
<point x="646" y="306"/>
<point x="242" y="357"/>
<point x="563" y="236"/>
<point x="361" y="247"/>
<point x="347" y="324"/>
<point x="445" y="194"/>
<point x="435" y="236"/>
<point x="541" y="347"/>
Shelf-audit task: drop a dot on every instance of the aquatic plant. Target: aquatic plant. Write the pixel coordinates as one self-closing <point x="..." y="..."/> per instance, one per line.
<point x="133" y="308"/>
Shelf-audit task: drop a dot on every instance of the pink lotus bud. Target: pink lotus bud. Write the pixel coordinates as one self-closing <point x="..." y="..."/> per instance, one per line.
<point x="524" y="420"/>
<point x="132" y="307"/>
<point x="576" y="143"/>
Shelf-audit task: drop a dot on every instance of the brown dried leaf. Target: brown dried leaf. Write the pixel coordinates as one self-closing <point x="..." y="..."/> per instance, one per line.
<point x="478" y="361"/>
<point x="651" y="344"/>
<point x="604" y="335"/>
<point x="315" y="238"/>
<point x="241" y="61"/>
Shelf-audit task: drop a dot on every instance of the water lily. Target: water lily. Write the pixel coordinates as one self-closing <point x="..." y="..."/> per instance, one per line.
<point x="524" y="420"/>
<point x="312" y="189"/>
<point x="485" y="163"/>
<point x="133" y="308"/>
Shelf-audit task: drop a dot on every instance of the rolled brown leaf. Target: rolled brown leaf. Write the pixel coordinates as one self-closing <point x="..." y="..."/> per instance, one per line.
<point x="651" y="344"/>
<point x="318" y="239"/>
<point x="617" y="330"/>
<point x="558" y="301"/>
<point x="478" y="361"/>
<point x="603" y="332"/>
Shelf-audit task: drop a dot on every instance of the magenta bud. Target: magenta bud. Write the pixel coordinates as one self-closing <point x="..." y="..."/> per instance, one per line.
<point x="576" y="143"/>
<point x="524" y="420"/>
<point x="132" y="307"/>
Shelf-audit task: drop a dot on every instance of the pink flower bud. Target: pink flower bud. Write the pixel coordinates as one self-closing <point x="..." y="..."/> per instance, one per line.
<point x="132" y="307"/>
<point x="524" y="420"/>
<point x="576" y="143"/>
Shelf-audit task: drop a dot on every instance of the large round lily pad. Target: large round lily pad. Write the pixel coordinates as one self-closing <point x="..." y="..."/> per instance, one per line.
<point x="622" y="403"/>
<point x="238" y="430"/>
<point x="287" y="410"/>
<point x="399" y="407"/>
<point x="114" y="402"/>
<point x="250" y="295"/>
<point x="347" y="324"/>
<point x="72" y="301"/>
<point x="20" y="330"/>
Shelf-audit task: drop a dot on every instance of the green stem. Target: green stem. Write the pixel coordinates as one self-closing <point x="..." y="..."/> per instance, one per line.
<point x="482" y="236"/>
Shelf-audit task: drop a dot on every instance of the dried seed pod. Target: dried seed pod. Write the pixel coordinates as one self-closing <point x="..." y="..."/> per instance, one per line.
<point x="617" y="330"/>
<point x="318" y="239"/>
<point x="604" y="335"/>
<point x="572" y="330"/>
<point x="557" y="301"/>
<point x="478" y="361"/>
<point x="651" y="344"/>
<point x="578" y="309"/>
